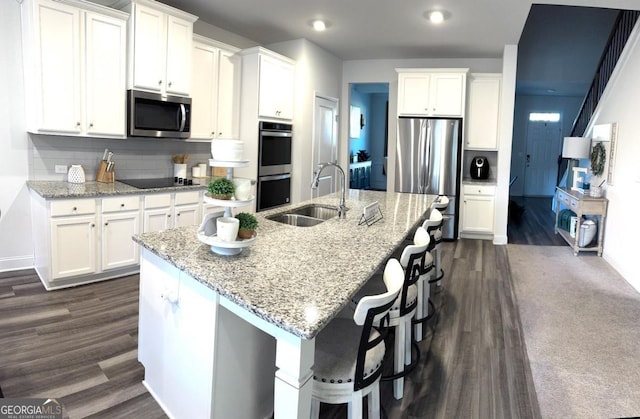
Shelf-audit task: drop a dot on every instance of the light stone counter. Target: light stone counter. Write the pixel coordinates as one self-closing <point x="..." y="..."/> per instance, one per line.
<point x="298" y="278"/>
<point x="50" y="189"/>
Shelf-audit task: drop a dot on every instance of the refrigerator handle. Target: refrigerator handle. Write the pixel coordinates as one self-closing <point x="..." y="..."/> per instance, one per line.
<point x="422" y="153"/>
<point x="427" y="165"/>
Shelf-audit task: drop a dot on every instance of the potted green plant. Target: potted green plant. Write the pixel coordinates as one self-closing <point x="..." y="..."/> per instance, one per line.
<point x="248" y="225"/>
<point x="221" y="188"/>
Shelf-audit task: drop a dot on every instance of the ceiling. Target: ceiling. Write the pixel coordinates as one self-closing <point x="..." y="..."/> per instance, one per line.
<point x="386" y="29"/>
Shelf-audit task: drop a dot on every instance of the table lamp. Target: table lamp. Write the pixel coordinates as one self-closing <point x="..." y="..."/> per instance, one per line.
<point x="574" y="148"/>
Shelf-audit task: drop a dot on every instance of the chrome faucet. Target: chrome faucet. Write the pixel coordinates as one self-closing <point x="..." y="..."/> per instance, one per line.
<point x="342" y="208"/>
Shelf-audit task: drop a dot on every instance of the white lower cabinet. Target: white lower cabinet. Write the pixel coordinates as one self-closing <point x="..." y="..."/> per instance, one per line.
<point x="478" y="208"/>
<point x="84" y="240"/>
<point x="120" y="221"/>
<point x="200" y="359"/>
<point x="186" y="209"/>
<point x="72" y="249"/>
<point x="174" y="345"/>
<point x="166" y="210"/>
<point x="157" y="212"/>
<point x="73" y="245"/>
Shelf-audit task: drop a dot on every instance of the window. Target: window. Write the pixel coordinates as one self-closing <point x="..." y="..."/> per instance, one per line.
<point x="545" y="116"/>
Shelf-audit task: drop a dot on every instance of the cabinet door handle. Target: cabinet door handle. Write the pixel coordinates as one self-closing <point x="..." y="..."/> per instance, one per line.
<point x="107" y="223"/>
<point x="75" y="209"/>
<point x="91" y="125"/>
<point x="170" y="84"/>
<point x="93" y="225"/>
<point x="159" y="82"/>
<point x="121" y="205"/>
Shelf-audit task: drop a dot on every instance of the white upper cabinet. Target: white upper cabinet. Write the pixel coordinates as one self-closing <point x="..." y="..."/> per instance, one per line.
<point x="229" y="68"/>
<point x="215" y="94"/>
<point x="149" y="48"/>
<point x="74" y="62"/>
<point x="484" y="111"/>
<point x="276" y="88"/>
<point x="106" y="45"/>
<point x="431" y="92"/>
<point x="160" y="41"/>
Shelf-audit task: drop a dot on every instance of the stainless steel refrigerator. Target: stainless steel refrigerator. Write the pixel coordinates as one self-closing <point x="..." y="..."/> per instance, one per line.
<point x="428" y="154"/>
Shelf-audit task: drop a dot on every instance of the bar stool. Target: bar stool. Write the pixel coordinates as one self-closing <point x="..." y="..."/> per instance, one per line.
<point x="441" y="203"/>
<point x="434" y="226"/>
<point x="425" y="308"/>
<point x="349" y="353"/>
<point x="403" y="310"/>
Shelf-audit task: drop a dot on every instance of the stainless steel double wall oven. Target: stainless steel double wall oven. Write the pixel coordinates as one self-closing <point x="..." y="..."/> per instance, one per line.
<point x="274" y="164"/>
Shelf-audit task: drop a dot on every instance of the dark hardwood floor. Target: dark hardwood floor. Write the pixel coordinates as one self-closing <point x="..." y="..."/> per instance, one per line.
<point x="534" y="224"/>
<point x="79" y="345"/>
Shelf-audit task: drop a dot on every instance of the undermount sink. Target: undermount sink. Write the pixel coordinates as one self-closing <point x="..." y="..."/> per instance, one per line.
<point x="305" y="216"/>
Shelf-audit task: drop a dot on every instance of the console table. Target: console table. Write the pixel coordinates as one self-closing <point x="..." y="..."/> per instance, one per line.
<point x="581" y="204"/>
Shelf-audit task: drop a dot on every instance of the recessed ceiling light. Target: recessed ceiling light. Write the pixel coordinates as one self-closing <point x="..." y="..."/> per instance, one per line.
<point x="319" y="25"/>
<point x="437" y="16"/>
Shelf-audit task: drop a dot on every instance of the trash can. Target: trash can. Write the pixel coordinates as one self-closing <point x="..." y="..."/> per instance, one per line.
<point x="588" y="229"/>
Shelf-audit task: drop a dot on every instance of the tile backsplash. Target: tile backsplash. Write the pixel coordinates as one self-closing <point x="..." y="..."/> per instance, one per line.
<point x="134" y="157"/>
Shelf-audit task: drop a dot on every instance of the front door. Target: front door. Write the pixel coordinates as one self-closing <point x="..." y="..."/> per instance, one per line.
<point x="325" y="143"/>
<point x="544" y="140"/>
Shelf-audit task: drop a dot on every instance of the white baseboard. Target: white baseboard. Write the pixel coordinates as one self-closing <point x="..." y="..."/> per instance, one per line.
<point x="627" y="271"/>
<point x="500" y="240"/>
<point x="16" y="263"/>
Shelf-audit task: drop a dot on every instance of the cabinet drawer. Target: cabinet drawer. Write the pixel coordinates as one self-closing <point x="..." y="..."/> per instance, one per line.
<point x="157" y="201"/>
<point x="479" y="189"/>
<point x="121" y="203"/>
<point x="73" y="207"/>
<point x="187" y="197"/>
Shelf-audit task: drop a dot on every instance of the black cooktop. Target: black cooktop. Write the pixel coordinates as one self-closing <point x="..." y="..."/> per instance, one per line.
<point x="160" y="182"/>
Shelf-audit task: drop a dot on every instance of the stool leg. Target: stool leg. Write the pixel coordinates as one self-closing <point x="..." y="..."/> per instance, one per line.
<point x="315" y="408"/>
<point x="355" y="406"/>
<point x="438" y="266"/>
<point x="398" y="359"/>
<point x="422" y="310"/>
<point x="417" y="330"/>
<point x="407" y="341"/>
<point x="374" y="401"/>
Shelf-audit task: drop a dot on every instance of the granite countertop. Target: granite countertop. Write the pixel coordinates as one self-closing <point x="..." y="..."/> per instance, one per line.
<point x="298" y="278"/>
<point x="53" y="189"/>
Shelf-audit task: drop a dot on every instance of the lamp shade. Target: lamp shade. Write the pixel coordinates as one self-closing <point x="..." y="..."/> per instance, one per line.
<point x="576" y="147"/>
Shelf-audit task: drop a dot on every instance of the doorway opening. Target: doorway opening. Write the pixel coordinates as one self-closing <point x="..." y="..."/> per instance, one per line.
<point x="368" y="135"/>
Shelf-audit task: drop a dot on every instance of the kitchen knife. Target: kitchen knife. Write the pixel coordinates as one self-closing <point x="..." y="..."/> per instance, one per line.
<point x="109" y="156"/>
<point x="104" y="155"/>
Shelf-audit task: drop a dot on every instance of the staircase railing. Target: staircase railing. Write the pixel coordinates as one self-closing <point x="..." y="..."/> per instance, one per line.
<point x="617" y="40"/>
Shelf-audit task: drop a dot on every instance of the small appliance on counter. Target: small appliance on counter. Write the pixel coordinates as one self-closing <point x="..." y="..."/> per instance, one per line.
<point x="479" y="168"/>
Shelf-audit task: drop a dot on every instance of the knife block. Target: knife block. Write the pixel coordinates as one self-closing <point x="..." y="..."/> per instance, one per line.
<point x="102" y="175"/>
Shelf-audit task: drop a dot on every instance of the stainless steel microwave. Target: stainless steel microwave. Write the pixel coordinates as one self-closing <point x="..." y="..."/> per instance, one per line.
<point x="155" y="115"/>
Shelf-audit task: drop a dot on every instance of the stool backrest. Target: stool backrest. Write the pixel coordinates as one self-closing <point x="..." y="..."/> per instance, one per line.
<point x="433" y="223"/>
<point x="374" y="309"/>
<point x="440" y="203"/>
<point x="411" y="260"/>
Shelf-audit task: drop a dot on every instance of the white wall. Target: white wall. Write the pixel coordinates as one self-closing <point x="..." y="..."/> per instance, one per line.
<point x="317" y="73"/>
<point x="16" y="250"/>
<point x="505" y="137"/>
<point x="620" y="104"/>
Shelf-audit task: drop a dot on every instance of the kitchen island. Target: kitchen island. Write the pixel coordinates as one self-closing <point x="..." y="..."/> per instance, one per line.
<point x="214" y="330"/>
